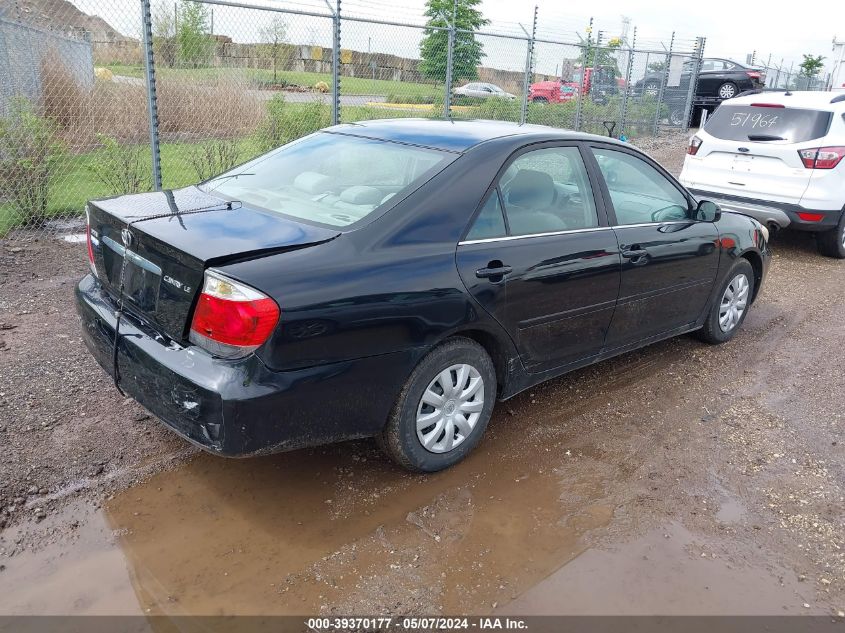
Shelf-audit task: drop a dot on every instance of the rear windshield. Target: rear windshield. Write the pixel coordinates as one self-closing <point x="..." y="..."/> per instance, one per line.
<point x="332" y="179"/>
<point x="753" y="123"/>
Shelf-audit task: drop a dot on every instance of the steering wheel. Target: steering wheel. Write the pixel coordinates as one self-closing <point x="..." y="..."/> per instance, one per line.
<point x="666" y="213"/>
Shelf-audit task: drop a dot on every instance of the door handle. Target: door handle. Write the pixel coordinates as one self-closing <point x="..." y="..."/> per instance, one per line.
<point x="634" y="253"/>
<point x="496" y="271"/>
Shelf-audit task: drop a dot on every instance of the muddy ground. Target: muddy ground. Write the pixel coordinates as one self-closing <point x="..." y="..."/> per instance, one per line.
<point x="679" y="479"/>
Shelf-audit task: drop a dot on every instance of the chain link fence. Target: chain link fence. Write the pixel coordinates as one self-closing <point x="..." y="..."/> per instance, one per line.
<point x="103" y="97"/>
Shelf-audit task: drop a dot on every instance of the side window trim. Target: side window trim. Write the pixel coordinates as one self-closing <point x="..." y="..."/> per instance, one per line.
<point x="605" y="191"/>
<point x="594" y="179"/>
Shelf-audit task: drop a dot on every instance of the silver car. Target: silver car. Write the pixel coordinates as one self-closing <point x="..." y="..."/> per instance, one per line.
<point x="483" y="91"/>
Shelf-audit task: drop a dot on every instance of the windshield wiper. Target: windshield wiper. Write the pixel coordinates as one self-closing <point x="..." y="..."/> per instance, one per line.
<point x="765" y="137"/>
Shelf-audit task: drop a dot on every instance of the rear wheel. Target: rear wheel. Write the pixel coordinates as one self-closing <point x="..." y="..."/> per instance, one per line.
<point x="539" y="100"/>
<point x="443" y="408"/>
<point x="727" y="90"/>
<point x="730" y="306"/>
<point x="832" y="243"/>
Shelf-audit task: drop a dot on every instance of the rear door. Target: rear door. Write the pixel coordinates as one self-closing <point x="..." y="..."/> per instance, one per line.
<point x="754" y="151"/>
<point x="669" y="260"/>
<point x="541" y="258"/>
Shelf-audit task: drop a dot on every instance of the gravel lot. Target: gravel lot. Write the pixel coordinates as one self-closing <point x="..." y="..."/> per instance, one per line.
<point x="698" y="471"/>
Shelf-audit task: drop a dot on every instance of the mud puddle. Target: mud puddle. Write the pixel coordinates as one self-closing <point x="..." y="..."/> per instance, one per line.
<point x="341" y="531"/>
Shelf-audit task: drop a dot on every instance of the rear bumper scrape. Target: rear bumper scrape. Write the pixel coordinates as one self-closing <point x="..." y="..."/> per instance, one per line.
<point x="240" y="408"/>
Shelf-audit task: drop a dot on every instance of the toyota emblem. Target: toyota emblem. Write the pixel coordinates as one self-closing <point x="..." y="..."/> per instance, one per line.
<point x="126" y="237"/>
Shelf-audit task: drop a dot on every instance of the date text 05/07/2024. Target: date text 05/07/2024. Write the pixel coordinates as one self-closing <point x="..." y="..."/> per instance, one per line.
<point x="415" y="623"/>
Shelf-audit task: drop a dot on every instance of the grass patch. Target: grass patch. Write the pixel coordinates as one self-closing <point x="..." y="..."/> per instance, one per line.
<point x="75" y="181"/>
<point x="349" y="85"/>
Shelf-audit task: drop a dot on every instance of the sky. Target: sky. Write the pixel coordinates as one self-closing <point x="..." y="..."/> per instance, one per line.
<point x="733" y="29"/>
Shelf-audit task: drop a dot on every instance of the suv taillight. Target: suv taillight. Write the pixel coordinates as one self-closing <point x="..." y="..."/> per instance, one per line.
<point x="694" y="144"/>
<point x="89" y="241"/>
<point x="822" y="157"/>
<point x="232" y="319"/>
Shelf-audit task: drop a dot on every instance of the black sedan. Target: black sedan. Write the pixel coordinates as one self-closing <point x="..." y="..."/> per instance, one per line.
<point x="717" y="78"/>
<point x="393" y="279"/>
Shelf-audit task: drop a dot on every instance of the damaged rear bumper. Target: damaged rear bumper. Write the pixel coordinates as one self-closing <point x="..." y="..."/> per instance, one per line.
<point x="237" y="408"/>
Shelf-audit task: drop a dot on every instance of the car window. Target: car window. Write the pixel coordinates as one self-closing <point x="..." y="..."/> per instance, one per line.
<point x="639" y="192"/>
<point x="329" y="178"/>
<point x="490" y="222"/>
<point x="708" y="64"/>
<point x="548" y="190"/>
<point x="762" y="123"/>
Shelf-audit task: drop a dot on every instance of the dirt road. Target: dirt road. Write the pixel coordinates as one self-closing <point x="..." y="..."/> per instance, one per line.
<point x="681" y="478"/>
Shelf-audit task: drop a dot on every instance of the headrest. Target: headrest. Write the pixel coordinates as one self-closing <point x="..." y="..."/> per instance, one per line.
<point x="531" y="188"/>
<point x="312" y="182"/>
<point x="361" y="194"/>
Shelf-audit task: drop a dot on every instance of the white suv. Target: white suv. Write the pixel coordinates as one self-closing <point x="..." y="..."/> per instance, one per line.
<point x="778" y="157"/>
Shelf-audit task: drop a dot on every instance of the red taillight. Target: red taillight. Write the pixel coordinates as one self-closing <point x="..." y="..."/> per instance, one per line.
<point x="822" y="157"/>
<point x="767" y="105"/>
<point x="694" y="144"/>
<point x="231" y="319"/>
<point x="810" y="217"/>
<point x="753" y="74"/>
<point x="88" y="240"/>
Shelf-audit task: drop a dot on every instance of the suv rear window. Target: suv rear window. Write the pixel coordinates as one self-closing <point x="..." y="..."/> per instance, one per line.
<point x="744" y="123"/>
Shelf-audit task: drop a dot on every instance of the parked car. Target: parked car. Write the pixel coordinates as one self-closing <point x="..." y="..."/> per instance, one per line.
<point x="600" y="83"/>
<point x="720" y="78"/>
<point x="479" y="90"/>
<point x="776" y="156"/>
<point x="393" y="279"/>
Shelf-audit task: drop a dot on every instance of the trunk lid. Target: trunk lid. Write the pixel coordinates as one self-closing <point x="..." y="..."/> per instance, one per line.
<point x="169" y="238"/>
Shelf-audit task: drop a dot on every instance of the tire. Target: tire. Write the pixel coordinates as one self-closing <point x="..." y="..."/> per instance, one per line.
<point x="400" y="439"/>
<point x="713" y="332"/>
<point x="539" y="100"/>
<point x="727" y="90"/>
<point x="832" y="243"/>
<point x="677" y="116"/>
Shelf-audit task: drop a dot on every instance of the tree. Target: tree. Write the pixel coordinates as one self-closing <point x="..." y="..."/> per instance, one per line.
<point x="164" y="33"/>
<point x="274" y="35"/>
<point x="812" y="65"/>
<point x="192" y="33"/>
<point x="602" y="56"/>
<point x="434" y="47"/>
<point x="657" y="67"/>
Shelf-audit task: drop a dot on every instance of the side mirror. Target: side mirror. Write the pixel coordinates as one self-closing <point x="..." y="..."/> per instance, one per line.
<point x="708" y="211"/>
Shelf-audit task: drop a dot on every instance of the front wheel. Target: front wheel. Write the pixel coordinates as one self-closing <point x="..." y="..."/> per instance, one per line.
<point x="730" y="306"/>
<point x="443" y="408"/>
<point x="832" y="243"/>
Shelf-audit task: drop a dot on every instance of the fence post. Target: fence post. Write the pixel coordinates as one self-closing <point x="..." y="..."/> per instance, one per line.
<point x="662" y="89"/>
<point x="336" y="64"/>
<point x="447" y="96"/>
<point x="623" y="118"/>
<point x="152" y="102"/>
<point x="529" y="60"/>
<point x="579" y="96"/>
<point x="693" y="84"/>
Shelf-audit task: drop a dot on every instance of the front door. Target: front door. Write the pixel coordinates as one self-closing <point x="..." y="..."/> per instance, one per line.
<point x="669" y="259"/>
<point x="542" y="260"/>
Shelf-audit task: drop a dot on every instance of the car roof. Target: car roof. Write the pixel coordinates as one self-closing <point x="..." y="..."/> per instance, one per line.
<point x="456" y="136"/>
<point x="807" y="99"/>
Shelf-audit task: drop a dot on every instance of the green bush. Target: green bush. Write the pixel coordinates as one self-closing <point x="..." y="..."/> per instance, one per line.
<point x="285" y="122"/>
<point x="28" y="142"/>
<point x="213" y="157"/>
<point x="122" y="167"/>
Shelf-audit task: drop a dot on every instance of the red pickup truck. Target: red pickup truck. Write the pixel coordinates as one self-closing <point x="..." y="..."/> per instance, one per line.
<point x="600" y="82"/>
